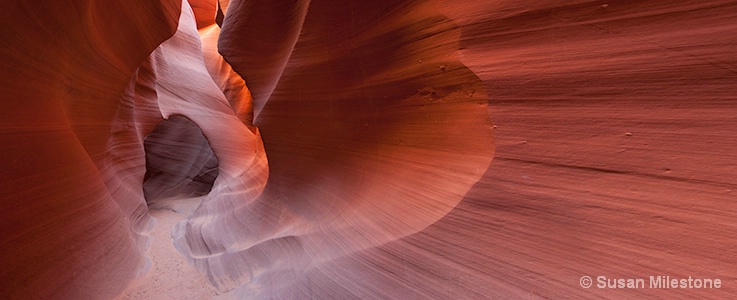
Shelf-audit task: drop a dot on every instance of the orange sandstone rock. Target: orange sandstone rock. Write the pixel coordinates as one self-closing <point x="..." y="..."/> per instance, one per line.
<point x="354" y="145"/>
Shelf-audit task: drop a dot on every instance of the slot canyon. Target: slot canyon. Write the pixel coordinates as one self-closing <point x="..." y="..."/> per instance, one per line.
<point x="385" y="149"/>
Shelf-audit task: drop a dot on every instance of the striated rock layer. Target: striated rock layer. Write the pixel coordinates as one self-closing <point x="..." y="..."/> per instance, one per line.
<point x="72" y="152"/>
<point x="373" y="132"/>
<point x="614" y="138"/>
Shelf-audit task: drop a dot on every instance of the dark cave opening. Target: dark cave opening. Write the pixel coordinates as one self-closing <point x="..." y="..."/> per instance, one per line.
<point x="179" y="161"/>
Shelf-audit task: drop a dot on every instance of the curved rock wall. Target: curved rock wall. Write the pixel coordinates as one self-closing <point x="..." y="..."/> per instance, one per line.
<point x="614" y="131"/>
<point x="370" y="137"/>
<point x="72" y="209"/>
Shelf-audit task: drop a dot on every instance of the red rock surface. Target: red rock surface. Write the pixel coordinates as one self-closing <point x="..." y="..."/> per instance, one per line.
<point x="614" y="137"/>
<point x="204" y="11"/>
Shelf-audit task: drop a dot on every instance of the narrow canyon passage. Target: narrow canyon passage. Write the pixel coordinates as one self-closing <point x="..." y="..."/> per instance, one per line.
<point x="179" y="161"/>
<point x="356" y="149"/>
<point x="170" y="276"/>
<point x="180" y="170"/>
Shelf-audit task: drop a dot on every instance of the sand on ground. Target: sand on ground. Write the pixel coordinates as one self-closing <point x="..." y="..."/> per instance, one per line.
<point x="170" y="276"/>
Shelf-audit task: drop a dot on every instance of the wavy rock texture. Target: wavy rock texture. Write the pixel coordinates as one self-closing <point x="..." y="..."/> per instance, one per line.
<point x="72" y="154"/>
<point x="338" y="148"/>
<point x="614" y="137"/>
<point x="614" y="123"/>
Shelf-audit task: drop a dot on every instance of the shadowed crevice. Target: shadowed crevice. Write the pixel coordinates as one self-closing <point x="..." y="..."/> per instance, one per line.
<point x="179" y="161"/>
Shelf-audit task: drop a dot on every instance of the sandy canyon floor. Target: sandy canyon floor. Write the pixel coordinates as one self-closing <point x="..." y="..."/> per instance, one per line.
<point x="170" y="276"/>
